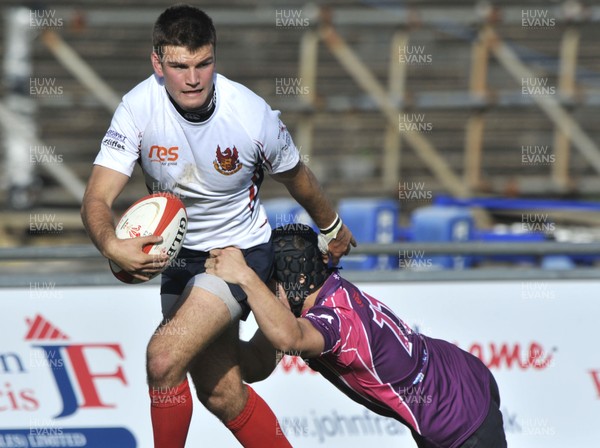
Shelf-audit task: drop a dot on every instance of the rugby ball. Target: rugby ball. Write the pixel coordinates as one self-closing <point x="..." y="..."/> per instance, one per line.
<point x="159" y="214"/>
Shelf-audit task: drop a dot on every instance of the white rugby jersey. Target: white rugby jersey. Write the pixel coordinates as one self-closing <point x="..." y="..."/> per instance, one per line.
<point x="215" y="167"/>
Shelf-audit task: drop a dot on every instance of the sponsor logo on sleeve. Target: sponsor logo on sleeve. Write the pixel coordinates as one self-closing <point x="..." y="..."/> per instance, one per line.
<point x="114" y="140"/>
<point x="284" y="136"/>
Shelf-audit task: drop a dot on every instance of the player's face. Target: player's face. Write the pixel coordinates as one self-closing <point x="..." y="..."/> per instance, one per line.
<point x="188" y="75"/>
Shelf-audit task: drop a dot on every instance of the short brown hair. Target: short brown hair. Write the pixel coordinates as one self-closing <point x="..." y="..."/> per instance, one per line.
<point x="183" y="26"/>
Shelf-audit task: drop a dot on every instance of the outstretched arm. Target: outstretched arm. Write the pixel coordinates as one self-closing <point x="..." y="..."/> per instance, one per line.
<point x="306" y="190"/>
<point x="285" y="332"/>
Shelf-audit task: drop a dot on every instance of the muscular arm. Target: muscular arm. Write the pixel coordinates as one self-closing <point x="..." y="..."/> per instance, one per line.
<point x="283" y="330"/>
<point x="103" y="187"/>
<point x="306" y="190"/>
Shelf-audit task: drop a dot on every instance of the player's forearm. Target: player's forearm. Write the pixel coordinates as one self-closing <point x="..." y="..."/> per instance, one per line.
<point x="306" y="190"/>
<point x="277" y="323"/>
<point x="98" y="221"/>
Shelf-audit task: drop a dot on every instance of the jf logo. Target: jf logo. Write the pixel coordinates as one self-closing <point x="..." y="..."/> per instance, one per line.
<point x="80" y="376"/>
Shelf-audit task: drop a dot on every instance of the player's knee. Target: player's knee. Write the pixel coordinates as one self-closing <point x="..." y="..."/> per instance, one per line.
<point x="161" y="368"/>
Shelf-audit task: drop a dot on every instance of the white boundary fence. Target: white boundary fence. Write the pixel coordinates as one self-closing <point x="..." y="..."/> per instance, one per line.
<point x="72" y="363"/>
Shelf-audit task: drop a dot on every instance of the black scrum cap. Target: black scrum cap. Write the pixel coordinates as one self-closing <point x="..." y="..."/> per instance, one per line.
<point x="299" y="265"/>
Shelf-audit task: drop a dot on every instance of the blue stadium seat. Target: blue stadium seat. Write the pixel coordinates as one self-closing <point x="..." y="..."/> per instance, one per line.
<point x="443" y="224"/>
<point x="371" y="220"/>
<point x="557" y="262"/>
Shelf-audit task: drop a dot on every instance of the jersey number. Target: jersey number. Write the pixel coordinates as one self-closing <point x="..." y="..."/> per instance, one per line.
<point x="384" y="316"/>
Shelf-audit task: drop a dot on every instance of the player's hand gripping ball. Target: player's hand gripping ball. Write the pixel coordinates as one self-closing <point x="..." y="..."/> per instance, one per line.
<point x="160" y="214"/>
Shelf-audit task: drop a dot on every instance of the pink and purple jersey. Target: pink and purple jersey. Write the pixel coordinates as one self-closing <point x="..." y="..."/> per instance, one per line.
<point x="438" y="390"/>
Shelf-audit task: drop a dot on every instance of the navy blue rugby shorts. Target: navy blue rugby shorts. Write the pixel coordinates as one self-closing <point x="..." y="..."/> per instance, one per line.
<point x="190" y="263"/>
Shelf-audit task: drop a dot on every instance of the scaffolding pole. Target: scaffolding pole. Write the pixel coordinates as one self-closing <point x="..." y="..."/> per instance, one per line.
<point x="368" y="82"/>
<point x="550" y="105"/>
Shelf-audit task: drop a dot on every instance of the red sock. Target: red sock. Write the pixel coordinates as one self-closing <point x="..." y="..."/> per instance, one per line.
<point x="257" y="426"/>
<point x="171" y="412"/>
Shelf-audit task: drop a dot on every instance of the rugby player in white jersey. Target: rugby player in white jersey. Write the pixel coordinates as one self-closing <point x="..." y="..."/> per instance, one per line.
<point x="209" y="141"/>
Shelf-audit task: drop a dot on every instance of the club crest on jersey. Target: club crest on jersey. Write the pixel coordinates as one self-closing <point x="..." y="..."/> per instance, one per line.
<point x="227" y="162"/>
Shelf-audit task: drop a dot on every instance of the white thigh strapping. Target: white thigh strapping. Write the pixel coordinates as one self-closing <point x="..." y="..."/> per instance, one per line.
<point x="210" y="283"/>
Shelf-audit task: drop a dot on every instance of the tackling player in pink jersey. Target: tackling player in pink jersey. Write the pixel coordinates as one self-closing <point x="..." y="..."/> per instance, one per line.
<point x="447" y="397"/>
<point x="209" y="141"/>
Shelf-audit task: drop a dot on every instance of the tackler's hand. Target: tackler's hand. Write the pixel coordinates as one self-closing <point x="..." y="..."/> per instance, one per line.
<point x="228" y="264"/>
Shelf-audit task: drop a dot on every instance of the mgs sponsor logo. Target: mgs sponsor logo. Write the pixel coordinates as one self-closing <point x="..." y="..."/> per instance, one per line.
<point x="164" y="155"/>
